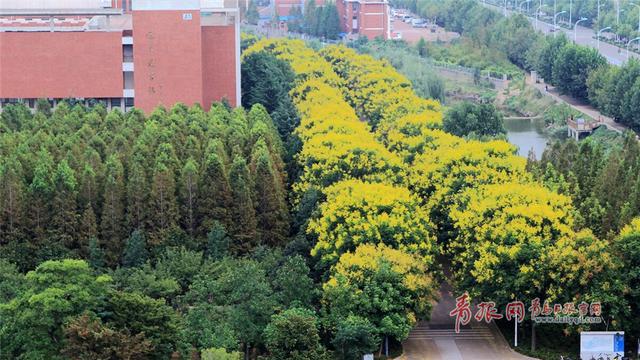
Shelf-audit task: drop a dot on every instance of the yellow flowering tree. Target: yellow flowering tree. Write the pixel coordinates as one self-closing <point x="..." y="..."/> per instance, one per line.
<point x="440" y="176"/>
<point x="375" y="89"/>
<point x="502" y="232"/>
<point x="583" y="268"/>
<point x="626" y="249"/>
<point x="357" y="212"/>
<point x="390" y="288"/>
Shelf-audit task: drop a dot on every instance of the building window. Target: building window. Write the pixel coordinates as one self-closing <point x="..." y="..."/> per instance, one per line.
<point x="128" y="102"/>
<point x="115" y="102"/>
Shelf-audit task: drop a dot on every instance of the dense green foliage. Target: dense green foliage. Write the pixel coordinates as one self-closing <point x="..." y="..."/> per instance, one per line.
<point x="626" y="27"/>
<point x="575" y="70"/>
<point x="164" y="180"/>
<point x="468" y="118"/>
<point x="592" y="172"/>
<point x="320" y="21"/>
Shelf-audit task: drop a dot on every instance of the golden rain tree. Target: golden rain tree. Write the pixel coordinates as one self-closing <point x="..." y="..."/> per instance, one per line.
<point x="389" y="287"/>
<point x="441" y="176"/>
<point x="359" y="212"/>
<point x="502" y="232"/>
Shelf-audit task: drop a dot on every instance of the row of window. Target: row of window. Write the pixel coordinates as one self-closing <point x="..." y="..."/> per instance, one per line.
<point x="109" y="102"/>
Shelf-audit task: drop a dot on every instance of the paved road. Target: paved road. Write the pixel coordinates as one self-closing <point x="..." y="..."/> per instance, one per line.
<point x="584" y="36"/>
<point x="437" y="339"/>
<point x="578" y="105"/>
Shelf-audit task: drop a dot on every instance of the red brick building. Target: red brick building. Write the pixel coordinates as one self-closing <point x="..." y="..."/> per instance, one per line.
<point x="123" y="53"/>
<point x="283" y="7"/>
<point x="370" y="18"/>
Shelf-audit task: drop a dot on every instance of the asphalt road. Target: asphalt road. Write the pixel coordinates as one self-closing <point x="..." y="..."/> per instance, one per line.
<point x="584" y="36"/>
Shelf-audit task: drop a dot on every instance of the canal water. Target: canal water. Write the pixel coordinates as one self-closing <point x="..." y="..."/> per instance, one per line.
<point x="526" y="135"/>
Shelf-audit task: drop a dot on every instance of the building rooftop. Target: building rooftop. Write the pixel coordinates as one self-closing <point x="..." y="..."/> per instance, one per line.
<point x="66" y="23"/>
<point x="95" y="15"/>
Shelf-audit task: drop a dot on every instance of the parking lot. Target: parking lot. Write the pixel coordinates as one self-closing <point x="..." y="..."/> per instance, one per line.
<point x="412" y="34"/>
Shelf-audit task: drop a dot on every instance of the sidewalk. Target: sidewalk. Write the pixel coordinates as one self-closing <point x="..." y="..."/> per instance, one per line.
<point x="577" y="105"/>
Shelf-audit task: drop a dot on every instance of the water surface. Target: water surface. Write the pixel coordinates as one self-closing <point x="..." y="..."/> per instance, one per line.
<point x="527" y="135"/>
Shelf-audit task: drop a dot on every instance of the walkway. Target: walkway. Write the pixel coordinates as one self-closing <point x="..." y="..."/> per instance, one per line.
<point x="577" y="105"/>
<point x="437" y="339"/>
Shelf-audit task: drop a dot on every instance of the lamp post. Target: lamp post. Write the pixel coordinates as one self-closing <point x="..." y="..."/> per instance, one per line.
<point x="629" y="43"/>
<point x="555" y="20"/>
<point x="600" y="32"/>
<point x="505" y="7"/>
<point x="575" y="28"/>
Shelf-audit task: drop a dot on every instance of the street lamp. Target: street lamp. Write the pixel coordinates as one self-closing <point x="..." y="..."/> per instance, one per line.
<point x="575" y="28"/>
<point x="629" y="43"/>
<point x="538" y="13"/>
<point x="555" y="20"/>
<point x="600" y="32"/>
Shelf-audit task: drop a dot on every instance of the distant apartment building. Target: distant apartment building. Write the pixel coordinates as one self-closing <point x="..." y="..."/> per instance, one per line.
<point x="123" y="53"/>
<point x="283" y="7"/>
<point x="370" y="18"/>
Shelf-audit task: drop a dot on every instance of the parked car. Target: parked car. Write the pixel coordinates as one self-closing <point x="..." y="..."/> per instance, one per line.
<point x="423" y="24"/>
<point x="417" y="22"/>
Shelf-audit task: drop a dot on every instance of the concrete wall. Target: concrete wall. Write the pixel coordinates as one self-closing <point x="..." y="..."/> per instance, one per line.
<point x="60" y="64"/>
<point x="219" y="65"/>
<point x="167" y="58"/>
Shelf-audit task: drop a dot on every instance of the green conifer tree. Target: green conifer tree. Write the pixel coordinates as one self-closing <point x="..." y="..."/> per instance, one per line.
<point x="164" y="210"/>
<point x="112" y="219"/>
<point x="214" y="195"/>
<point x="244" y="223"/>
<point x="137" y="196"/>
<point x="217" y="242"/>
<point x="96" y="254"/>
<point x="272" y="216"/>
<point x="135" y="251"/>
<point x="188" y="195"/>
<point x="64" y="217"/>
<point x="12" y="193"/>
<point x="40" y="192"/>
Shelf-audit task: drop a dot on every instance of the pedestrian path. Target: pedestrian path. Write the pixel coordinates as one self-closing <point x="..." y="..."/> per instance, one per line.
<point x="436" y="339"/>
<point x="578" y="105"/>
